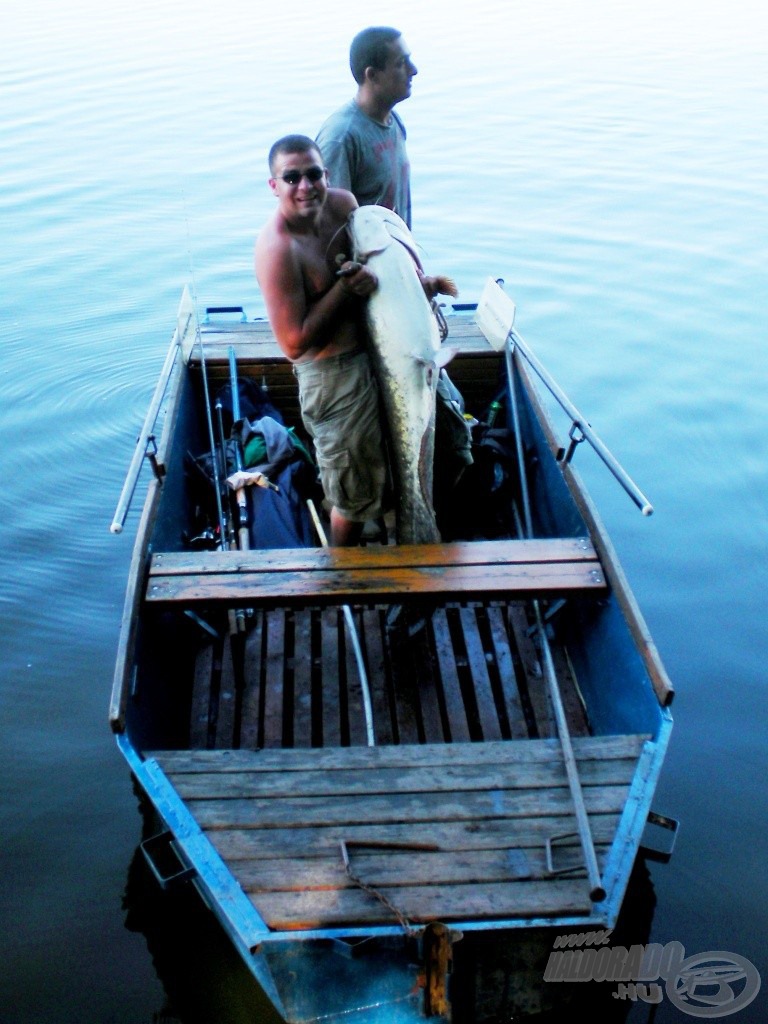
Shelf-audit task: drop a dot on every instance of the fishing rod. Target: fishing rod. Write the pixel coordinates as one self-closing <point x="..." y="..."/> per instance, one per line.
<point x="242" y="500"/>
<point x="212" y="442"/>
<point x="231" y="539"/>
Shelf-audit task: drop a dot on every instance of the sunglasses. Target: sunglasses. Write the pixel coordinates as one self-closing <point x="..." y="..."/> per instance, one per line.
<point x="312" y="175"/>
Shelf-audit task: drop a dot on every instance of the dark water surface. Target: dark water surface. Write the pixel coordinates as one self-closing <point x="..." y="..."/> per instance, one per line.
<point x="608" y="161"/>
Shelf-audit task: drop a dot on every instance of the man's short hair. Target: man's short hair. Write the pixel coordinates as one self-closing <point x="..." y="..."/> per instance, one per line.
<point x="369" y="49"/>
<point x="291" y="144"/>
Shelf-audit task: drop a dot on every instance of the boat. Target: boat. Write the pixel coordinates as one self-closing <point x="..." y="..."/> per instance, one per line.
<point x="372" y="762"/>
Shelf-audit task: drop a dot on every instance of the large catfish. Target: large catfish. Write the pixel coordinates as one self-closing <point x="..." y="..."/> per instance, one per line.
<point x="407" y="357"/>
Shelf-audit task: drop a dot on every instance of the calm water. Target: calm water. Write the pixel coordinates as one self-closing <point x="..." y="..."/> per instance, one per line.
<point x="608" y="161"/>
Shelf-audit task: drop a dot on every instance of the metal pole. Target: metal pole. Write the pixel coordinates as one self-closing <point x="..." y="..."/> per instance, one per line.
<point x="618" y="471"/>
<point x="364" y="685"/>
<point x="132" y="476"/>
<point x="597" y="892"/>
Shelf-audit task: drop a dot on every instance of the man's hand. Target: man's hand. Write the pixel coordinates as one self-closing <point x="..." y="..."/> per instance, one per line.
<point x="357" y="279"/>
<point x="439" y="286"/>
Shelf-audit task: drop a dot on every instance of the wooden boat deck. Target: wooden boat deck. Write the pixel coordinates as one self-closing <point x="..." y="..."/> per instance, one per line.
<point x="367" y="836"/>
<point x="323" y="831"/>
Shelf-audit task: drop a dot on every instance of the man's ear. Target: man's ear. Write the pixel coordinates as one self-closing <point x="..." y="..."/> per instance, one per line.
<point x="370" y="73"/>
<point x="272" y="182"/>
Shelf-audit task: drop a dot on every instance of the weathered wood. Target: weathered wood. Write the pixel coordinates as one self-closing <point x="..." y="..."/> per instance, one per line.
<point x="478" y="669"/>
<point x="201" y="698"/>
<point x="252" y="725"/>
<point x="601" y="748"/>
<point x="336" y="576"/>
<point x="393" y="868"/>
<point x="330" y="670"/>
<point x="505" y="669"/>
<point x="275" y="679"/>
<point x="214" y="785"/>
<point x="258" y="812"/>
<point x="227" y="712"/>
<point x="458" y="726"/>
<point x="381" y="694"/>
<point x="308" y="842"/>
<point x="302" y="680"/>
<point x="534" y="687"/>
<point x="488" y="901"/>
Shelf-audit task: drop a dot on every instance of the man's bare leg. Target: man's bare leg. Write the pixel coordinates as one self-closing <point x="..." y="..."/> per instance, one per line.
<point x="344" y="533"/>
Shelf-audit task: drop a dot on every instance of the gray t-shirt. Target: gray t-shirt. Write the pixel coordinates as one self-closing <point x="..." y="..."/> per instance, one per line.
<point x="368" y="159"/>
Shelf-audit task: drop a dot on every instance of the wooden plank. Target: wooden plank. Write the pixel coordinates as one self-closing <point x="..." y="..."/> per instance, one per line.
<point x="302" y="679"/>
<point x="426" y="903"/>
<point x="375" y="573"/>
<point x="394" y="869"/>
<point x="464" y="554"/>
<point x="274" y="680"/>
<point x="432" y="715"/>
<point x="331" y="587"/>
<point x="454" y="702"/>
<point x="300" y="811"/>
<point x="405" y="756"/>
<point x="252" y="724"/>
<point x="405" y="691"/>
<point x="481" y="684"/>
<point x="503" y="833"/>
<point x="330" y="671"/>
<point x="506" y="670"/>
<point x="201" y="698"/>
<point x="377" y="781"/>
<point x="535" y="685"/>
<point x="227" y="711"/>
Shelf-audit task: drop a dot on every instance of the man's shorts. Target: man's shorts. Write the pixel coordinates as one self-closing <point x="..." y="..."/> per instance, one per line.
<point x="340" y="408"/>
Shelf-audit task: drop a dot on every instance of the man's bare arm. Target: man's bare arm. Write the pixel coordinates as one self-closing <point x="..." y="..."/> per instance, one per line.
<point x="298" y="327"/>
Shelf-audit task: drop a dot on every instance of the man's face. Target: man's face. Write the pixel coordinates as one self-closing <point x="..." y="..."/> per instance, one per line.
<point x="300" y="182"/>
<point x="393" y="81"/>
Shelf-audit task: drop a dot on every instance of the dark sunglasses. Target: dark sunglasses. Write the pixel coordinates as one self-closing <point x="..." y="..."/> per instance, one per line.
<point x="312" y="175"/>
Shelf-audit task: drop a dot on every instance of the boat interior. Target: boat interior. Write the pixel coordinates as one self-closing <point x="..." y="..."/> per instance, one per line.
<point x="367" y="737"/>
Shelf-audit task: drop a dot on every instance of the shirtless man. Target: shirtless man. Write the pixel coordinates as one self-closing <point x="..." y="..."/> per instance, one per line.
<point x="315" y="301"/>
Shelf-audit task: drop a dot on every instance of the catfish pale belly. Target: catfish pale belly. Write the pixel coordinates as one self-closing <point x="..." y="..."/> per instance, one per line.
<point x="407" y="356"/>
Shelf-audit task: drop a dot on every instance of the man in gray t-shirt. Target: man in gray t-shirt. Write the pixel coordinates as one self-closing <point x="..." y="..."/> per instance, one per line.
<point x="363" y="143"/>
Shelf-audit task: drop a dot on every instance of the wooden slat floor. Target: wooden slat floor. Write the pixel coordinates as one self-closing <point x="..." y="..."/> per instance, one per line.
<point x="405" y="834"/>
<point x="446" y="817"/>
<point x="292" y="680"/>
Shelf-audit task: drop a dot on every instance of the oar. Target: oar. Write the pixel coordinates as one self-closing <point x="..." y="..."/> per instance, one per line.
<point x="597" y="892"/>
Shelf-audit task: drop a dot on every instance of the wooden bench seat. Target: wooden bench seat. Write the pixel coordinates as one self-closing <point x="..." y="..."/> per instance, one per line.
<point x="479" y="570"/>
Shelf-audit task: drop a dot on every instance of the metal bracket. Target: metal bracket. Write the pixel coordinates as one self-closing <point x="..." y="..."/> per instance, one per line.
<point x="163" y="841"/>
<point x="668" y="825"/>
<point x="151" y="454"/>
<point x="550" y="841"/>
<point x="442" y="323"/>
<point x="576" y="435"/>
<point x="213" y="310"/>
